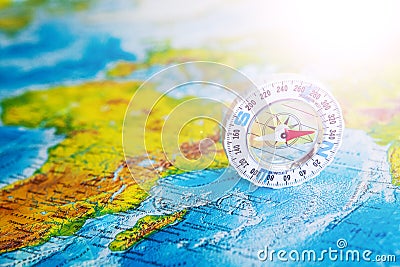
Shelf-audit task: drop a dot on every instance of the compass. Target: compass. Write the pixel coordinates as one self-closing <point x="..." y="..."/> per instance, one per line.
<point x="284" y="133"/>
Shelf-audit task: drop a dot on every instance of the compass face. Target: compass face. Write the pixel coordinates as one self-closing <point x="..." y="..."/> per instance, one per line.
<point x="283" y="134"/>
<point x="267" y="137"/>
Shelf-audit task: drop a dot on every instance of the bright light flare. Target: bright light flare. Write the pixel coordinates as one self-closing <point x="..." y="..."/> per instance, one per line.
<point x="347" y="30"/>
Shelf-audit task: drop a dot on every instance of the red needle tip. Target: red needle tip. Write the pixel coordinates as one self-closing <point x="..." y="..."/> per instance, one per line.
<point x="291" y="134"/>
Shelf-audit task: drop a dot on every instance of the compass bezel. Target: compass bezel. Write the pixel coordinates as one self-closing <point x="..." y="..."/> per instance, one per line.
<point x="241" y="116"/>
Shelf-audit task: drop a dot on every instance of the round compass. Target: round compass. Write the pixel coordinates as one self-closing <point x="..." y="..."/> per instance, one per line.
<point x="284" y="133"/>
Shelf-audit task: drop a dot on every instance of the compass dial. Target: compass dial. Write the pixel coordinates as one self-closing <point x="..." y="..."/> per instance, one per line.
<point x="283" y="134"/>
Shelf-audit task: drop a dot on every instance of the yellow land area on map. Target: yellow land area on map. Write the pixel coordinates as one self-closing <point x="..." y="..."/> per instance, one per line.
<point x="85" y="175"/>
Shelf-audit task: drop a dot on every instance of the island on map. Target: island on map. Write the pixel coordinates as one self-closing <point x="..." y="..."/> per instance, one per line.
<point x="143" y="228"/>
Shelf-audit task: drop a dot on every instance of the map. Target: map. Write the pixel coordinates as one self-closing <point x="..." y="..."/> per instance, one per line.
<point x="90" y="177"/>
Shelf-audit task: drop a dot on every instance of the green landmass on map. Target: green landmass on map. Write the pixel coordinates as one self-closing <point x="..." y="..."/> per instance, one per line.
<point x="144" y="227"/>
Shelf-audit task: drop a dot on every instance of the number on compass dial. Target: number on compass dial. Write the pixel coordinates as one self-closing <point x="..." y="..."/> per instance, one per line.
<point x="282" y="135"/>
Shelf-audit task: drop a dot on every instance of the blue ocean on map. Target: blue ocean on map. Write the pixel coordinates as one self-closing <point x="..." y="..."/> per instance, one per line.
<point x="340" y="203"/>
<point x="23" y="151"/>
<point x="47" y="54"/>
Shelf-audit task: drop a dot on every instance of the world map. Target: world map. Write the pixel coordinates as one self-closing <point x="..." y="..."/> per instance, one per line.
<point x="72" y="193"/>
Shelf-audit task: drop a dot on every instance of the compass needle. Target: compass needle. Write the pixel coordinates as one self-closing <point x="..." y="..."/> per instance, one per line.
<point x="292" y="134"/>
